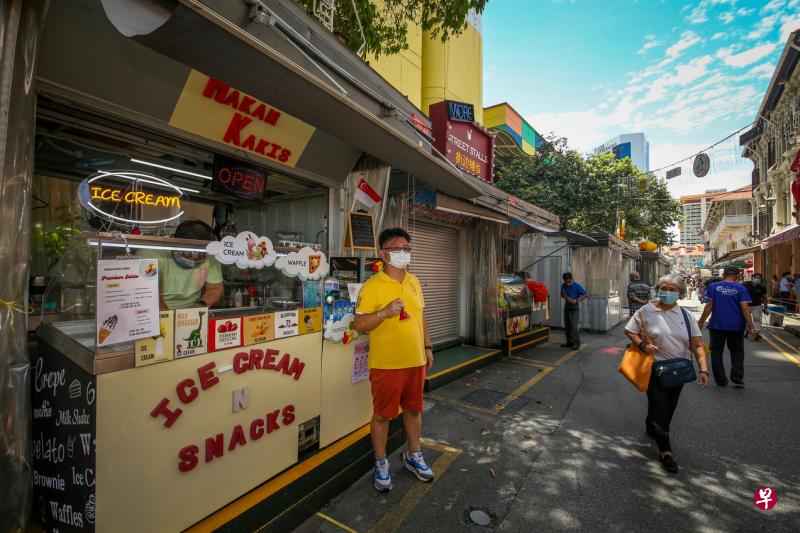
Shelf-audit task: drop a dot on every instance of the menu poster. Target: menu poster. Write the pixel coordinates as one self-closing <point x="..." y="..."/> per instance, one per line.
<point x="310" y="320"/>
<point x="127" y="300"/>
<point x="225" y="333"/>
<point x="286" y="324"/>
<point x="360" y="362"/>
<point x="157" y="349"/>
<point x="63" y="443"/>
<point x="258" y="328"/>
<point x="191" y="331"/>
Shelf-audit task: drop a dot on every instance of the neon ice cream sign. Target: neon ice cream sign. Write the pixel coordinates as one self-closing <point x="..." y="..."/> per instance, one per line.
<point x="104" y="193"/>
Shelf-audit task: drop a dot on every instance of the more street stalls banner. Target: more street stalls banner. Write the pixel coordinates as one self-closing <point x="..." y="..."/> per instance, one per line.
<point x="468" y="145"/>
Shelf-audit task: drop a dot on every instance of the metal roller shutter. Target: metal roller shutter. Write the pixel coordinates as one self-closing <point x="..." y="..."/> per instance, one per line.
<point x="436" y="262"/>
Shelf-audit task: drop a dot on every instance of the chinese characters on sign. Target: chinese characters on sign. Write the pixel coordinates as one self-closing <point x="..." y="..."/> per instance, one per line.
<point x="765" y="498"/>
<point x="466" y="144"/>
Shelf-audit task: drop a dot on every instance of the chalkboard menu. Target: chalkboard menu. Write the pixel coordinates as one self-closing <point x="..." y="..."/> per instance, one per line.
<point x="63" y="443"/>
<point x="360" y="233"/>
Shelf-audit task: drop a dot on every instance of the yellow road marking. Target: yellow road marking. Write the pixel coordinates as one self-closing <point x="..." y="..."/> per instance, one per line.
<point x="783" y="341"/>
<point x="513" y="348"/>
<point x="262" y="492"/>
<point x="780" y="350"/>
<point x="336" y="523"/>
<point x="459" y="403"/>
<point x="521" y="390"/>
<point x="392" y="520"/>
<point x="564" y="358"/>
<point x="465" y="363"/>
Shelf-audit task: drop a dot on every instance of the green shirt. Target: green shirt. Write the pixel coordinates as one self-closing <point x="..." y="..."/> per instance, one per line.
<point x="182" y="287"/>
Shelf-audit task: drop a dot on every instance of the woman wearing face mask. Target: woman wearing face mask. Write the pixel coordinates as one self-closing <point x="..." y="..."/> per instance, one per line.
<point x="187" y="279"/>
<point x="668" y="331"/>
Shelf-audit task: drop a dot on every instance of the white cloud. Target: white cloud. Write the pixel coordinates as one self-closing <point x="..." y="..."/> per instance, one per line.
<point x="647" y="46"/>
<point x="761" y="71"/>
<point x="687" y="40"/>
<point x="727" y="17"/>
<point x="700" y="12"/>
<point x="788" y="25"/>
<point x="764" y="26"/>
<point x="773" y="5"/>
<point x="246" y="250"/>
<point x="718" y="35"/>
<point x="748" y="57"/>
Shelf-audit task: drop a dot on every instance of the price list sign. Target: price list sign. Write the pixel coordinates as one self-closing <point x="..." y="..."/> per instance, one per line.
<point x="63" y="443"/>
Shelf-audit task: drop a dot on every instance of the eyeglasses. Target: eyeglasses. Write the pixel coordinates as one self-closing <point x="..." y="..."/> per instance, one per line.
<point x="398" y="249"/>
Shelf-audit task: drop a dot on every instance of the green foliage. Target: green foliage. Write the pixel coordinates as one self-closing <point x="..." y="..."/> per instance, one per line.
<point x="386" y="26"/>
<point x="593" y="193"/>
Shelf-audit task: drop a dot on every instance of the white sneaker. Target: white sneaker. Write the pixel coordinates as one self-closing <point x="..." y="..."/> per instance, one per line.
<point x="416" y="464"/>
<point x="383" y="478"/>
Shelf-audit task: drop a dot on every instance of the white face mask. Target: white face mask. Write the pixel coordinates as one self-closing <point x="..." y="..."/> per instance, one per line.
<point x="399" y="259"/>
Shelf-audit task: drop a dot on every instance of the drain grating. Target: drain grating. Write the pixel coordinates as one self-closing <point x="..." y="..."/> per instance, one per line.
<point x="488" y="399"/>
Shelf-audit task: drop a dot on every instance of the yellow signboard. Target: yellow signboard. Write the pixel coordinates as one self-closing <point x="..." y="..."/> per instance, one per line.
<point x="156" y="349"/>
<point x="258" y="328"/>
<point x="310" y="320"/>
<point x="216" y="111"/>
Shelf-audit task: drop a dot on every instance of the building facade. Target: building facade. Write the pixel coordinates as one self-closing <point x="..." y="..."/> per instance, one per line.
<point x="729" y="224"/>
<point x="773" y="145"/>
<point x="633" y="145"/>
<point x="695" y="209"/>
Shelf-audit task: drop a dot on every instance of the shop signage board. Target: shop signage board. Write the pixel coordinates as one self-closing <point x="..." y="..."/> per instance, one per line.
<point x="286" y="324"/>
<point x="238" y="179"/>
<point x="216" y="111"/>
<point x="63" y="443"/>
<point x="258" y="328"/>
<point x="131" y="197"/>
<point x="460" y="111"/>
<point x="127" y="300"/>
<point x="468" y="145"/>
<point x="360" y="231"/>
<point x="701" y="165"/>
<point x="225" y="333"/>
<point x="309" y="320"/>
<point x="191" y="331"/>
<point x="246" y="250"/>
<point x="306" y="264"/>
<point x="157" y="349"/>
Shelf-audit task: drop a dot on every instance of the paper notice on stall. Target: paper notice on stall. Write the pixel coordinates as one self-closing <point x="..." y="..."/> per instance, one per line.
<point x="157" y="349"/>
<point x="360" y="362"/>
<point x="353" y="289"/>
<point x="127" y="300"/>
<point x="286" y="324"/>
<point x="191" y="331"/>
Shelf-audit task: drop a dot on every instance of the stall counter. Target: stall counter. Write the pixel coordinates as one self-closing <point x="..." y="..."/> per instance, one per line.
<point x="157" y="448"/>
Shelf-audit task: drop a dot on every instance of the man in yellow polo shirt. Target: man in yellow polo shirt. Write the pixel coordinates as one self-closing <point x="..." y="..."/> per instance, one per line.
<point x="390" y="308"/>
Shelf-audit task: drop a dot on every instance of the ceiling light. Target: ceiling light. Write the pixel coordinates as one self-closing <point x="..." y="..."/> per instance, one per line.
<point x="173" y="169"/>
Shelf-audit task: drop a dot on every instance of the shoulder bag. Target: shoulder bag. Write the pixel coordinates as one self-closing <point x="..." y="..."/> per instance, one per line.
<point x="675" y="372"/>
<point x="637" y="365"/>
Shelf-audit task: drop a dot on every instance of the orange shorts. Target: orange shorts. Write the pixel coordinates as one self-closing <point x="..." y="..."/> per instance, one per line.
<point x="397" y="387"/>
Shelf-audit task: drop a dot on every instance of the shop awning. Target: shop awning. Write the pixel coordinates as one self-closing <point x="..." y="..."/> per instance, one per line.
<point x="790" y="233"/>
<point x="733" y="254"/>
<point x="275" y="53"/>
<point x="463" y="207"/>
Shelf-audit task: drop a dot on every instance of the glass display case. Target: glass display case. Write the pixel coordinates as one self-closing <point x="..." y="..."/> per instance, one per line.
<point x="514" y="304"/>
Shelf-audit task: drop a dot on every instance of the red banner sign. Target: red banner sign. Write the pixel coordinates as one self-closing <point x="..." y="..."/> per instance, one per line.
<point x="468" y="145"/>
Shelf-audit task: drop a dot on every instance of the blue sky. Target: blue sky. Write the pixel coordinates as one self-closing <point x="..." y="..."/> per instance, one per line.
<point x="685" y="73"/>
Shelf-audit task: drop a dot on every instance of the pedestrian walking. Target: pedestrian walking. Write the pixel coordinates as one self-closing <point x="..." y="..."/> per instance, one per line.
<point x="390" y="307"/>
<point x="785" y="289"/>
<point x="573" y="294"/>
<point x="758" y="298"/>
<point x="699" y="289"/>
<point x="666" y="330"/>
<point x="638" y="293"/>
<point x="729" y="307"/>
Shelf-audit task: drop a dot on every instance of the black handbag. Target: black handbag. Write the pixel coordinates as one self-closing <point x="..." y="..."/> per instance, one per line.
<point x="675" y="372"/>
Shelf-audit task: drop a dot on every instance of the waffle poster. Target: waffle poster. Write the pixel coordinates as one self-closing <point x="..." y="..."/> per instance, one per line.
<point x="127" y="300"/>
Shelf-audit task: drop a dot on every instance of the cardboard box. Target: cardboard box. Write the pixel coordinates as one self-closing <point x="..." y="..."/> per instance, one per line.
<point x="258" y="328"/>
<point x="310" y="320"/>
<point x="157" y="349"/>
<point x="225" y="333"/>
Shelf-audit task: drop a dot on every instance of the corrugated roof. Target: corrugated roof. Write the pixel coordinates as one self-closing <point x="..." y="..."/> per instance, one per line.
<point x="742" y="193"/>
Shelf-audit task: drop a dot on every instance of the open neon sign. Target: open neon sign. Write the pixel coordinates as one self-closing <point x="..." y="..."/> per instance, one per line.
<point x="233" y="177"/>
<point x="95" y="196"/>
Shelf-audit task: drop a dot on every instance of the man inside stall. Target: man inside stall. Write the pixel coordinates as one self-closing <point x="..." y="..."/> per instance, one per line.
<point x="188" y="279"/>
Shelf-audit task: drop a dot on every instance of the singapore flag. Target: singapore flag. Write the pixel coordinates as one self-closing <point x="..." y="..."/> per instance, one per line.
<point x="366" y="194"/>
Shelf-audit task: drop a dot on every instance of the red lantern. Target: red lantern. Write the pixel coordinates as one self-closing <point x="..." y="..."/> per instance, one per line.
<point x="796" y="193"/>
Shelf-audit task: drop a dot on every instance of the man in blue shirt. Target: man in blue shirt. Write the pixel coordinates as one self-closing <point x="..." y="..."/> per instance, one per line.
<point x="728" y="303"/>
<point x="572" y="293"/>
